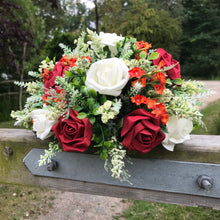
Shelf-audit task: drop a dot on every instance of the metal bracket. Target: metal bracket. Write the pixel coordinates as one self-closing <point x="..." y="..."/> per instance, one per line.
<point x="190" y="178"/>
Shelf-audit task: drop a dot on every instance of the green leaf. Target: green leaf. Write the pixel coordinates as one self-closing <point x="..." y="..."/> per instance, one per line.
<point x="154" y="56"/>
<point x="80" y="71"/>
<point x="68" y="74"/>
<point x="77" y="108"/>
<point x="177" y="81"/>
<point x="107" y="144"/>
<point x="93" y="93"/>
<point x="169" y="81"/>
<point x="47" y="60"/>
<point x="95" y="111"/>
<point x="103" y="155"/>
<point x="103" y="99"/>
<point x="143" y="55"/>
<point x="75" y="82"/>
<point x="91" y="102"/>
<point x="92" y="120"/>
<point x="164" y="129"/>
<point x="81" y="115"/>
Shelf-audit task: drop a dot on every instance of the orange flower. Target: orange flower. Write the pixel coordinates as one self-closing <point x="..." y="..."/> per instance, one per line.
<point x="138" y="99"/>
<point x="161" y="64"/>
<point x="159" y="88"/>
<point x="160" y="77"/>
<point x="164" y="118"/>
<point x="45" y="99"/>
<point x="158" y="109"/>
<point x="146" y="45"/>
<point x="140" y="45"/>
<point x="87" y="57"/>
<point x="136" y="72"/>
<point x="142" y="81"/>
<point x="64" y="59"/>
<point x="151" y="103"/>
<point x="45" y="74"/>
<point x="72" y="62"/>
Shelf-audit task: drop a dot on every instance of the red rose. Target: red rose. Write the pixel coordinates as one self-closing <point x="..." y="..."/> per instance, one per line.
<point x="141" y="131"/>
<point x="73" y="134"/>
<point x="168" y="61"/>
<point x="58" y="70"/>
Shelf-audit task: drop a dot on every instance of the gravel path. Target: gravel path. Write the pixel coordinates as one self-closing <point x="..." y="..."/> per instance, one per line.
<point x="214" y="86"/>
<point x="76" y="206"/>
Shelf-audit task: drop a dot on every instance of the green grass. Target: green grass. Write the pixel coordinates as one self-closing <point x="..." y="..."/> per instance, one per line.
<point x="141" y="210"/>
<point x="211" y="119"/>
<point x="7" y="124"/>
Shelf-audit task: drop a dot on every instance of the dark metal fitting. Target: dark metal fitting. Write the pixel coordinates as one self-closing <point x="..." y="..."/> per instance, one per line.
<point x="7" y="151"/>
<point x="52" y="165"/>
<point x="205" y="182"/>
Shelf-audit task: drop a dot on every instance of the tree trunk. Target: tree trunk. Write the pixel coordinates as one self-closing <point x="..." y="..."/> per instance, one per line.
<point x="22" y="75"/>
<point x="96" y="17"/>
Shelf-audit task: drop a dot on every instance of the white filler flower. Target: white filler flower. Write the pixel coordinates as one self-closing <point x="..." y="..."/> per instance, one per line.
<point x="108" y="76"/>
<point x="178" y="132"/>
<point x="110" y="40"/>
<point x="42" y="123"/>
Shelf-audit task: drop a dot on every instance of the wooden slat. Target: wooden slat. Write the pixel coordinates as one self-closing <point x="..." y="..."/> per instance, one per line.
<point x="197" y="143"/>
<point x="13" y="171"/>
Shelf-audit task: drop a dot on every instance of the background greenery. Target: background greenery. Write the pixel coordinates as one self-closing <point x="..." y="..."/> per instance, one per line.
<point x="32" y="29"/>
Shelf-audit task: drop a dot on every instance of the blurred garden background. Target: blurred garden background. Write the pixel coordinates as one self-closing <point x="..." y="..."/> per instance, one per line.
<point x="31" y="30"/>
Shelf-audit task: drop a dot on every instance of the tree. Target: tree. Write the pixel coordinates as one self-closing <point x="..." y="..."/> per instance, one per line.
<point x="75" y="17"/>
<point x="21" y="33"/>
<point x="174" y="7"/>
<point x="52" y="48"/>
<point x="200" y="44"/>
<point x="135" y="18"/>
<point x="52" y="12"/>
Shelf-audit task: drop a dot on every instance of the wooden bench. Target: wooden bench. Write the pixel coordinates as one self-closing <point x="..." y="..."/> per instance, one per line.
<point x="188" y="176"/>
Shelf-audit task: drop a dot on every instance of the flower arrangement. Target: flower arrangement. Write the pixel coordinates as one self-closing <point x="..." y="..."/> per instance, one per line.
<point x="113" y="95"/>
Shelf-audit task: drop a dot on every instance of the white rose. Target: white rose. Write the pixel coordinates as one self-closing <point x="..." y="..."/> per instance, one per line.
<point x="178" y="131"/>
<point x="110" y="40"/>
<point x="41" y="123"/>
<point x="108" y="76"/>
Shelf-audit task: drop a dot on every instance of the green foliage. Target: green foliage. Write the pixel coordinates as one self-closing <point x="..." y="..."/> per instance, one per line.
<point x="200" y="43"/>
<point x="149" y="24"/>
<point x="52" y="47"/>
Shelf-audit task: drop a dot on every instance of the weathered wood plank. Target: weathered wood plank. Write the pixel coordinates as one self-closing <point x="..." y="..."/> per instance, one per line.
<point x="12" y="170"/>
<point x="17" y="135"/>
<point x="197" y="143"/>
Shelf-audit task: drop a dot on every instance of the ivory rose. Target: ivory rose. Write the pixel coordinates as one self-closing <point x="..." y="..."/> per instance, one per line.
<point x="178" y="131"/>
<point x="42" y="124"/>
<point x="110" y="40"/>
<point x="108" y="76"/>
